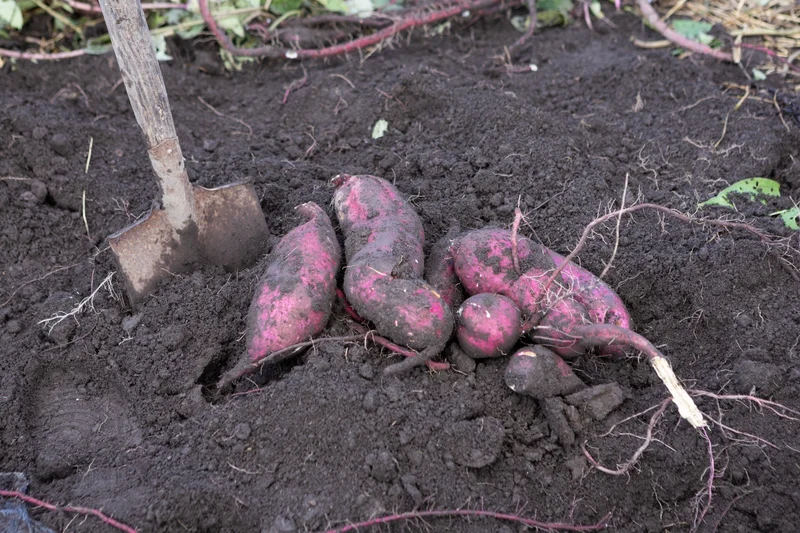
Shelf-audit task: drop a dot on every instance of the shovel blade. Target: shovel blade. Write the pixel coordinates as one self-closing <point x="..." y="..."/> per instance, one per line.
<point x="232" y="231"/>
<point x="150" y="251"/>
<point x="229" y="231"/>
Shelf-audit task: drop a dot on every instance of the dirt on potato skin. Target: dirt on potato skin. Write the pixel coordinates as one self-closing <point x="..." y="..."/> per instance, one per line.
<point x="114" y="409"/>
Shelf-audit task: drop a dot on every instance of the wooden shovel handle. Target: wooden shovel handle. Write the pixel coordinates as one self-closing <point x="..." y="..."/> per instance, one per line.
<point x="137" y="61"/>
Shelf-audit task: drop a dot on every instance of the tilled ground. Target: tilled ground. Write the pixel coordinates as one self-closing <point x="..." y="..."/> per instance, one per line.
<point x="115" y="410"/>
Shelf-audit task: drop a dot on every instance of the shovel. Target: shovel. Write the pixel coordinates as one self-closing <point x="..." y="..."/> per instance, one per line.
<point x="195" y="226"/>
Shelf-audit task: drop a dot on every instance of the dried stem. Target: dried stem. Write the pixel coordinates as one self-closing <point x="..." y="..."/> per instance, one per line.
<point x="601" y="335"/>
<point x="428" y="15"/>
<point x="616" y="236"/>
<point x="41" y="56"/>
<point x="662" y="28"/>
<point x="514" y="233"/>
<point x="34" y="280"/>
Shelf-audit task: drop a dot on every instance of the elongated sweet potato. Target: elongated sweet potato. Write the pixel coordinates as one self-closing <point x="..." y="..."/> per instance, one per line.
<point x="602" y="303"/>
<point x="484" y="261"/>
<point x="489" y="325"/>
<point x="440" y="270"/>
<point x="556" y="330"/>
<point x="294" y="297"/>
<point x="383" y="279"/>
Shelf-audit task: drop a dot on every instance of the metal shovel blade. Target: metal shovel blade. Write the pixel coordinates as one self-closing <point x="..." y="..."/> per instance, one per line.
<point x="229" y="231"/>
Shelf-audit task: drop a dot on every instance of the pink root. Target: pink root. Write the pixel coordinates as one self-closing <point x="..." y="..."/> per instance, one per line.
<point x="85" y="511"/>
<point x="469" y="513"/>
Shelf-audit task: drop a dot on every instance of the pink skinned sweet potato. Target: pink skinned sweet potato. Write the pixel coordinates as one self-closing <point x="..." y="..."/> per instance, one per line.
<point x="293" y="300"/>
<point x="602" y="303"/>
<point x="294" y="297"/>
<point x="538" y="372"/>
<point x="484" y="261"/>
<point x="407" y="311"/>
<point x="440" y="271"/>
<point x="488" y="325"/>
<point x="383" y="278"/>
<point x="557" y="330"/>
<point x="529" y="294"/>
<point x="376" y="219"/>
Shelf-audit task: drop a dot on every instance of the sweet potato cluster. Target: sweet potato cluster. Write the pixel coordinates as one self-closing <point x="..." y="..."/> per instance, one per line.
<point x="487" y="289"/>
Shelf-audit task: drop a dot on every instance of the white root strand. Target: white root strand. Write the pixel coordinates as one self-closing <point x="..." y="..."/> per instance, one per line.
<point x="686" y="406"/>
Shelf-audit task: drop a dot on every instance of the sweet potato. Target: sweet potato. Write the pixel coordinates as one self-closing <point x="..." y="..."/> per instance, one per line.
<point x="556" y="330"/>
<point x="383" y="279"/>
<point x="602" y="303"/>
<point x="488" y="325"/>
<point x="484" y="261"/>
<point x="538" y="372"/>
<point x="294" y="297"/>
<point x="440" y="271"/>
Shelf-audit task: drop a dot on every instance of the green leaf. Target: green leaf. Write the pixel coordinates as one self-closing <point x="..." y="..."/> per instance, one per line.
<point x="10" y="14"/>
<point x="191" y="33"/>
<point x="99" y="45"/>
<point x="758" y="75"/>
<point x="750" y="187"/>
<point x="547" y="19"/>
<point x="175" y="16"/>
<point x="379" y="129"/>
<point x="694" y="30"/>
<point x="549" y="13"/>
<point x="520" y="23"/>
<point x="596" y="9"/>
<point x="387" y="5"/>
<point x="362" y="8"/>
<point x="562" y="6"/>
<point x="790" y="217"/>
<point x="279" y="7"/>
<point x="336" y="6"/>
<point x="160" y="44"/>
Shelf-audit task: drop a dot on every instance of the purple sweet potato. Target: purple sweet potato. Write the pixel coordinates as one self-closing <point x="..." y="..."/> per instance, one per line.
<point x="484" y="262"/>
<point x="440" y="271"/>
<point x="293" y="300"/>
<point x="488" y="325"/>
<point x="383" y="279"/>
<point x="556" y="330"/>
<point x="528" y="292"/>
<point x="538" y="372"/>
<point x="602" y="303"/>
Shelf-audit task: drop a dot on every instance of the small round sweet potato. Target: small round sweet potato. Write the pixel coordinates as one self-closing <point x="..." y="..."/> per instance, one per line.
<point x="488" y="325"/>
<point x="538" y="372"/>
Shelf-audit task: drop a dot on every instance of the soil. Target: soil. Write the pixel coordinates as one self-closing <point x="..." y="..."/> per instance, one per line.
<point x="115" y="408"/>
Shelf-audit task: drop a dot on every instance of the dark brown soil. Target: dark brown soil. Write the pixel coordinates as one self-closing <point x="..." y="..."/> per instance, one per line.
<point x="116" y="410"/>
